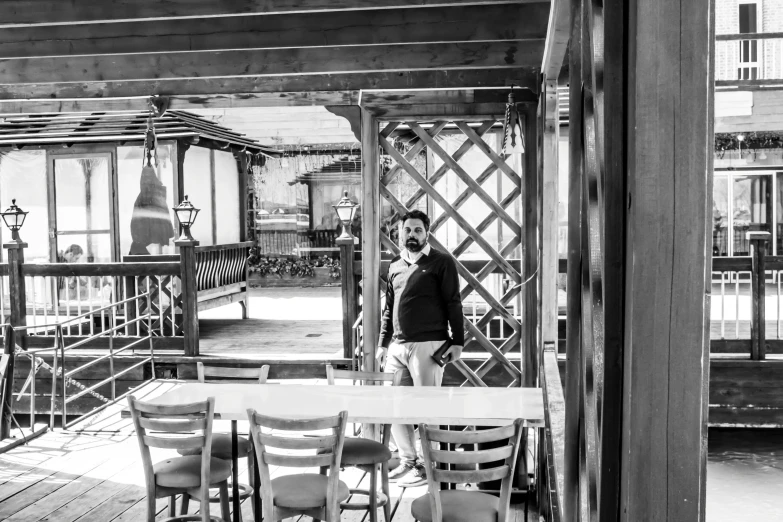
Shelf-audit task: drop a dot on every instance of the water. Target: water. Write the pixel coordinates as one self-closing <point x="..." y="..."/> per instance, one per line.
<point x="745" y="475"/>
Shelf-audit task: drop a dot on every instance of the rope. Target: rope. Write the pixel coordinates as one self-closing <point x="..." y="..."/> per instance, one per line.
<point x="40" y="363"/>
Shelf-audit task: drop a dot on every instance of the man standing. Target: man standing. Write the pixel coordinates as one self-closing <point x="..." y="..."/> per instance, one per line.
<point x="422" y="303"/>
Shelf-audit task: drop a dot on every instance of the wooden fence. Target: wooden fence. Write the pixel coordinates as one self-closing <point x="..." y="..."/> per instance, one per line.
<point x="46" y="293"/>
<point x="746" y="306"/>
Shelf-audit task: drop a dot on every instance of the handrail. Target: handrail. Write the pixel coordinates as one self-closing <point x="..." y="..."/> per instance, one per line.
<point x="59" y="349"/>
<point x="102" y="269"/>
<point x="227" y="246"/>
<point x="554" y="434"/>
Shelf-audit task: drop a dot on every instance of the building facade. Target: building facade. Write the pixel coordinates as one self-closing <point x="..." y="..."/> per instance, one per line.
<point x="748" y="183"/>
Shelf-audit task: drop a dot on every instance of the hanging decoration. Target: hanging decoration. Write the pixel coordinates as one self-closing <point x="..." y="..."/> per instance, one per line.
<point x="512" y="127"/>
<point x="151" y="220"/>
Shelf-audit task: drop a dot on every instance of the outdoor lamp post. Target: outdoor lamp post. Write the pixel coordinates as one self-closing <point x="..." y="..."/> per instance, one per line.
<point x="186" y="215"/>
<point x="13" y="218"/>
<point x="346" y="210"/>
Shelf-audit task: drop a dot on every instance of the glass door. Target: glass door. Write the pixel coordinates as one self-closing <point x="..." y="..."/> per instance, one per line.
<point x="81" y="218"/>
<point x="742" y="203"/>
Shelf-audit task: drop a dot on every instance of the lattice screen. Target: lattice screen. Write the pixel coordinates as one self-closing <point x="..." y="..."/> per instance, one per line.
<point x="472" y="194"/>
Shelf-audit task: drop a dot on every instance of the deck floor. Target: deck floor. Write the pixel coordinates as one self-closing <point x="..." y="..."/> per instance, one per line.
<point x="282" y="322"/>
<point x="93" y="473"/>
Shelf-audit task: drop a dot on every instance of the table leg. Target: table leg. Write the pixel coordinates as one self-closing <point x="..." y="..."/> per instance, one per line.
<point x="235" y="471"/>
<point x="256" y="483"/>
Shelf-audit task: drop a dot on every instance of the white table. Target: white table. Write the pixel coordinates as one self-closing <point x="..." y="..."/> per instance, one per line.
<point x="364" y="404"/>
<point x="368" y="404"/>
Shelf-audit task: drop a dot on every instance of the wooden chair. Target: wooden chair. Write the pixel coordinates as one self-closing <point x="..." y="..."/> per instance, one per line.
<point x="467" y="506"/>
<point x="311" y="494"/>
<point x="367" y="454"/>
<point x="192" y="476"/>
<point x="221" y="442"/>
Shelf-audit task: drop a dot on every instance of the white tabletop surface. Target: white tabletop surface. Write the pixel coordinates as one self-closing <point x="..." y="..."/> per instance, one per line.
<point x="371" y="404"/>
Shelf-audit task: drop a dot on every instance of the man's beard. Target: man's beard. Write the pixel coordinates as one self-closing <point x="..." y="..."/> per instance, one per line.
<point x="413" y="245"/>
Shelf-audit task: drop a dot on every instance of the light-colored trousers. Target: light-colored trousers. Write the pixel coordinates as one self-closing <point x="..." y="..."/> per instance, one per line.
<point x="419" y="369"/>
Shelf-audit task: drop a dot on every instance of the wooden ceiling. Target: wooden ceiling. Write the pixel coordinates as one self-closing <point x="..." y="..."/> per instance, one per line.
<point x="85" y="55"/>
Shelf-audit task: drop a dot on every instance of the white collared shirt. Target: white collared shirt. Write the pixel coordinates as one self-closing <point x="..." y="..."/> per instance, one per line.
<point x="413" y="257"/>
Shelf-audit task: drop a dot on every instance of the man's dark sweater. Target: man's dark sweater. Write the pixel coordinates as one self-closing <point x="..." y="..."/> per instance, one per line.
<point x="422" y="301"/>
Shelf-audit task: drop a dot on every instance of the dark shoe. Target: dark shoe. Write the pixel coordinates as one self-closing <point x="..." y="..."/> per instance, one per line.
<point x="400" y="471"/>
<point x="417" y="476"/>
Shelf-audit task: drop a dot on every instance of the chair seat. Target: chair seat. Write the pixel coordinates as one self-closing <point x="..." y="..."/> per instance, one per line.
<point x="221" y="447"/>
<point x="458" y="506"/>
<point x="185" y="472"/>
<point x="357" y="451"/>
<point x="304" y="491"/>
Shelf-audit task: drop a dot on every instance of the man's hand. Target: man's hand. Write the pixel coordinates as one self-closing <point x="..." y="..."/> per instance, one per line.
<point x="380" y="355"/>
<point x="453" y="353"/>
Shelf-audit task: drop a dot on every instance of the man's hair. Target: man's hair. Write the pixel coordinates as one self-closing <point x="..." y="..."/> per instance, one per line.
<point x="418" y="214"/>
<point x="74" y="250"/>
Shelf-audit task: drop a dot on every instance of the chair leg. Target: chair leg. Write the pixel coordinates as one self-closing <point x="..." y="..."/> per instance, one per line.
<point x="183" y="510"/>
<point x="152" y="508"/>
<point x="252" y="482"/>
<point x="173" y="505"/>
<point x="224" y="511"/>
<point x="385" y="489"/>
<point x="374" y="494"/>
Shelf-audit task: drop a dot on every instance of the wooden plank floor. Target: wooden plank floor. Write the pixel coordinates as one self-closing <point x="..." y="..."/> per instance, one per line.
<point x="282" y="321"/>
<point x="93" y="473"/>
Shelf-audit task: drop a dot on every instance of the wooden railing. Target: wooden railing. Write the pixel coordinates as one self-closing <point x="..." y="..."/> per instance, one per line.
<point x="42" y="293"/>
<point x="105" y="390"/>
<point x="221" y="275"/>
<point x="746" y="306"/>
<point x="302" y="242"/>
<point x="552" y="441"/>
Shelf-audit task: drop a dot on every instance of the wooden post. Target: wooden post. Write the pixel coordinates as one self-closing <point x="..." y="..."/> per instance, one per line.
<point x="15" y="255"/>
<point x="187" y="260"/>
<point x="667" y="259"/>
<point x="531" y="259"/>
<point x="758" y="330"/>
<point x="574" y="276"/>
<point x="549" y="215"/>
<point x="242" y="166"/>
<point x="371" y="242"/>
<point x="348" y="286"/>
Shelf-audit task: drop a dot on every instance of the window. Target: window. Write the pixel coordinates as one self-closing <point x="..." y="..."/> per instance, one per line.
<point x="748" y="49"/>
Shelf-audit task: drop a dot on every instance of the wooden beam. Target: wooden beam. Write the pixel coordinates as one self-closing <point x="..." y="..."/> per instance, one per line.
<point x="428" y="25"/>
<point x="272" y="62"/>
<point x="438" y="111"/>
<point x="557" y="36"/>
<point x="371" y="245"/>
<point x="747" y="36"/>
<point x="667" y="260"/>
<point x="203" y="90"/>
<point x="42" y="12"/>
<point x="549" y="218"/>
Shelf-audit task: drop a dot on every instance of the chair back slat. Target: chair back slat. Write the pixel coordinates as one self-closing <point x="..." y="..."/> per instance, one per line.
<point x="472" y="457"/>
<point x="470" y="476"/>
<point x="299" y="461"/>
<point x="171" y="410"/>
<point x="377" y="377"/>
<point x="275" y="423"/>
<point x="304" y="443"/>
<point x="471" y="437"/>
<point x="175" y="443"/>
<point x="172" y="425"/>
<point x="224" y="374"/>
